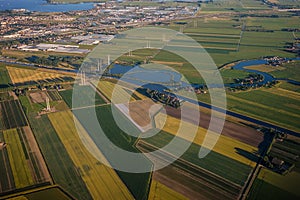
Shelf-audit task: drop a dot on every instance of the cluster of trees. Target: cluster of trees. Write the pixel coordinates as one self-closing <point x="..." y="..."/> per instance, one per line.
<point x="251" y="79"/>
<point x="290" y="29"/>
<point x="252" y="86"/>
<point x="164" y="98"/>
<point x="53" y="60"/>
<point x="282" y="162"/>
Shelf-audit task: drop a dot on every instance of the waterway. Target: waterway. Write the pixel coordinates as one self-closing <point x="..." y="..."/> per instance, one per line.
<point x="139" y="76"/>
<point x="234" y="114"/>
<point x="42" y="6"/>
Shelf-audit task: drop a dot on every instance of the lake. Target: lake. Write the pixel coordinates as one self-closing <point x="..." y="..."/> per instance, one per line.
<point x="42" y="6"/>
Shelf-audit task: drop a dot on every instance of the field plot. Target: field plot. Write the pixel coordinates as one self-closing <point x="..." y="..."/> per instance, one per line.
<point x="111" y="90"/>
<point x="225" y="40"/>
<point x="217" y="163"/>
<point x="45" y="192"/>
<point x="137" y="183"/>
<point x="289" y="71"/>
<point x="6" y="181"/>
<point x="54" y="95"/>
<point x="282" y="187"/>
<point x="30" y="76"/>
<point x="61" y="167"/>
<point x="27" y="164"/>
<point x="179" y="64"/>
<point x="278" y="110"/>
<point x="289" y="87"/>
<point x="229" y="75"/>
<point x="38" y="97"/>
<point x="88" y="97"/>
<point x="195" y="183"/>
<point x="160" y="191"/>
<point x="226" y="146"/>
<point x="102" y="181"/>
<point x="140" y="113"/>
<point x="11" y="114"/>
<point x="215" y="34"/>
<point x="50" y="194"/>
<point x="188" y="176"/>
<point x="4" y="77"/>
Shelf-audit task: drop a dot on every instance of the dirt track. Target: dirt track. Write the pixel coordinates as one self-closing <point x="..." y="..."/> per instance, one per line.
<point x="235" y="130"/>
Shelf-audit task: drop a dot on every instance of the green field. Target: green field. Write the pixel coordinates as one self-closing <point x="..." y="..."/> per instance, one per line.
<point x="271" y="185"/>
<point x="11" y="114"/>
<point x="30" y="107"/>
<point x="61" y="167"/>
<point x="267" y="106"/>
<point x="4" y="77"/>
<point x="264" y="190"/>
<point x="7" y="180"/>
<point x="4" y="96"/>
<point x="137" y="183"/>
<point x="220" y="36"/>
<point x="89" y="97"/>
<point x="18" y="158"/>
<point x="229" y="75"/>
<point x="216" y="163"/>
<point x="101" y="180"/>
<point x="180" y="65"/>
<point x="290" y="71"/>
<point x="286" y="2"/>
<point x="290" y="87"/>
<point x="54" y="95"/>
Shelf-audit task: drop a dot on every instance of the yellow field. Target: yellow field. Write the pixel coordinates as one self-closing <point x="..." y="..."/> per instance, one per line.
<point x="225" y="145"/>
<point x="115" y="91"/>
<point x="18" y="198"/>
<point x="17" y="159"/>
<point x="160" y="191"/>
<point x="20" y="75"/>
<point x="289" y="182"/>
<point x="101" y="181"/>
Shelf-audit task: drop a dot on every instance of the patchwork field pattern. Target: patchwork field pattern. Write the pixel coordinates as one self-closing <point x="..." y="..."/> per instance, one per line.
<point x="11" y="115"/>
<point x="22" y="75"/>
<point x="26" y="162"/>
<point x="225" y="145"/>
<point x="102" y="181"/>
<point x="61" y="167"/>
<point x="137" y="183"/>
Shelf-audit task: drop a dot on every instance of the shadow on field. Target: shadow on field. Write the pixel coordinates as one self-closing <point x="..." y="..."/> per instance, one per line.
<point x="262" y="147"/>
<point x="251" y="156"/>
